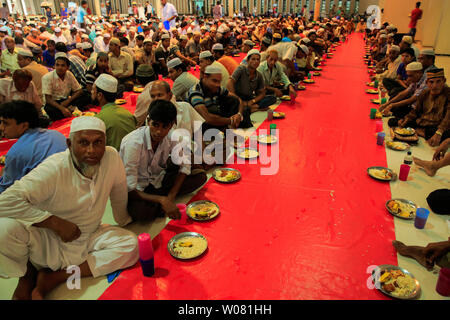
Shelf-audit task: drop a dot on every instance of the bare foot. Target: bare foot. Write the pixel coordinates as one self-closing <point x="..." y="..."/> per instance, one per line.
<point x="414" y="252"/>
<point x="26" y="284"/>
<point x="46" y="281"/>
<point x="428" y="166"/>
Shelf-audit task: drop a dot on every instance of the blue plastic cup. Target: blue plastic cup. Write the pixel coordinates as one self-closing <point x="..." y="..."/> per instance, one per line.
<point x="421" y="218"/>
<point x="380" y="138"/>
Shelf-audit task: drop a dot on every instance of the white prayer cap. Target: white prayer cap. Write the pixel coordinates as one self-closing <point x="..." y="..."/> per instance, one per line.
<point x="107" y="83"/>
<point x="305" y="40"/>
<point x="205" y="54"/>
<point x="25" y="53"/>
<point x="57" y="29"/>
<point x="383" y="36"/>
<point x="249" y="43"/>
<point x="79" y="45"/>
<point x="184" y="37"/>
<point x="165" y="36"/>
<point x="147" y="40"/>
<point x="252" y="52"/>
<point x="84" y="36"/>
<point x="61" y="55"/>
<point x="173" y="29"/>
<point x="18" y="25"/>
<point x="217" y="46"/>
<point x="213" y="70"/>
<point x="87" y="123"/>
<point x="197" y="33"/>
<point x="407" y="39"/>
<point x="64" y="26"/>
<point x="414" y="66"/>
<point x="174" y="62"/>
<point x="395" y="48"/>
<point x="304" y="49"/>
<point x="18" y="32"/>
<point x="391" y="35"/>
<point x="189" y="30"/>
<point x="427" y="52"/>
<point x="86" y="45"/>
<point x="106" y="35"/>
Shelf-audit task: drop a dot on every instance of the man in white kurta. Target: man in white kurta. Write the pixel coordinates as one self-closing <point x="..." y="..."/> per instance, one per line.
<point x="57" y="188"/>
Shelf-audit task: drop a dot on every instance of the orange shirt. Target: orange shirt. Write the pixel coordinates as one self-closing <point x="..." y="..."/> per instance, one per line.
<point x="229" y="63"/>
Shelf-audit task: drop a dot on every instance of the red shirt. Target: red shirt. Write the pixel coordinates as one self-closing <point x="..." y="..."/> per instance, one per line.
<point x="416" y="14"/>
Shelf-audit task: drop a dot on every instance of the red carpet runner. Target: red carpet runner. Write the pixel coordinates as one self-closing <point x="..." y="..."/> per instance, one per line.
<point x="308" y="232"/>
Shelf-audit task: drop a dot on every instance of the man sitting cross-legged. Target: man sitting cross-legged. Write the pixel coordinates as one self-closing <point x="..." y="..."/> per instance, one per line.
<point x="51" y="218"/>
<point x="153" y="178"/>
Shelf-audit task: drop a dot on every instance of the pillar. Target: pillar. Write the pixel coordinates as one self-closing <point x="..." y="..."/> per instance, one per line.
<point x="317" y="10"/>
<point x="230" y="8"/>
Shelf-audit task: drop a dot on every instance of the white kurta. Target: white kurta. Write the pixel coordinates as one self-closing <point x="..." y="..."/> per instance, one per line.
<point x="56" y="187"/>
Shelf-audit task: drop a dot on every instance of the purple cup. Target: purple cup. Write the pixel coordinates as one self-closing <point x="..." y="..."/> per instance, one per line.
<point x="380" y="138"/>
<point x="421" y="218"/>
<point x="443" y="283"/>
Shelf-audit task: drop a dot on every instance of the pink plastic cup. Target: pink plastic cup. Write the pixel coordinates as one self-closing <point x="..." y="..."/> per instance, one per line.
<point x="182" y="208"/>
<point x="145" y="246"/>
<point x="379" y="126"/>
<point x="404" y="171"/>
<point x="133" y="98"/>
<point x="443" y="283"/>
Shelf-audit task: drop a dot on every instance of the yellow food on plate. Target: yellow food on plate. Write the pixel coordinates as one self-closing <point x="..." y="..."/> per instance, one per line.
<point x="77" y="113"/>
<point x="189" y="247"/>
<point x="371" y="91"/>
<point x="316" y="73"/>
<point x="203" y="210"/>
<point x="226" y="175"/>
<point x="308" y="81"/>
<point x="138" y="89"/>
<point x="405" y="131"/>
<point x="300" y="87"/>
<point x="397" y="145"/>
<point x="279" y="114"/>
<point x="398" y="284"/>
<point x="89" y="114"/>
<point x="267" y="139"/>
<point x="249" y="153"/>
<point x="376" y="101"/>
<point x="286" y="98"/>
<point x="401" y="208"/>
<point x="381" y="174"/>
<point x="121" y="101"/>
<point x="2" y="160"/>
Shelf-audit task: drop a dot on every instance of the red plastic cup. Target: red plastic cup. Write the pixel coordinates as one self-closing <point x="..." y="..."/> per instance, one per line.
<point x="379" y="126"/>
<point x="182" y="208"/>
<point x="145" y="246"/>
<point x="404" y="171"/>
<point x="133" y="98"/>
<point x="443" y="283"/>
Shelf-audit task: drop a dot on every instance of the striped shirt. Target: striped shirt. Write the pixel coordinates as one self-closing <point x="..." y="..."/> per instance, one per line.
<point x="197" y="96"/>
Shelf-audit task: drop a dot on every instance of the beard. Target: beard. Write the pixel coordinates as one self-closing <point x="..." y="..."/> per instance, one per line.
<point x="86" y="170"/>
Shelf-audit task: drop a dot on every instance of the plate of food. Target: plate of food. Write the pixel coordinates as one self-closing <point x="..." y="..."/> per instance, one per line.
<point x="317" y="73"/>
<point x="285" y="98"/>
<point x="2" y="160"/>
<point x="279" y="115"/>
<point x="203" y="210"/>
<point x="401" y="208"/>
<point x="376" y="101"/>
<point x="226" y="175"/>
<point x="267" y="139"/>
<point x="396" y="282"/>
<point x="378" y="115"/>
<point x="372" y="91"/>
<point x="397" y="145"/>
<point x="381" y="173"/>
<point x="370" y="84"/>
<point x="187" y="245"/>
<point x="138" y="89"/>
<point x="318" y="69"/>
<point x="308" y="81"/>
<point x="300" y="87"/>
<point x="236" y="55"/>
<point x="248" y="153"/>
<point x="89" y="113"/>
<point x="405" y="132"/>
<point x="120" y="101"/>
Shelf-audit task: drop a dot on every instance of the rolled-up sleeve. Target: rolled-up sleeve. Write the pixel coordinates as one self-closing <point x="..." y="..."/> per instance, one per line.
<point x="130" y="153"/>
<point x="119" y="194"/>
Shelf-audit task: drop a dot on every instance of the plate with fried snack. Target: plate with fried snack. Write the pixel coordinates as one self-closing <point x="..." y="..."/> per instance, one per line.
<point x="396" y="282"/>
<point x="247" y="153"/>
<point x="267" y="139"/>
<point x="285" y="98"/>
<point x="381" y="173"/>
<point x="202" y="210"/>
<point x="405" y="132"/>
<point x="376" y="101"/>
<point x="138" y="89"/>
<point x="397" y="145"/>
<point x="372" y="91"/>
<point x="187" y="245"/>
<point x="120" y="101"/>
<point x="226" y="175"/>
<point x="401" y="208"/>
<point x="308" y="81"/>
<point x="279" y="115"/>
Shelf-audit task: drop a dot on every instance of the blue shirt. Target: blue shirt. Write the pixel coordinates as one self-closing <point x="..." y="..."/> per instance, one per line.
<point x="286" y="39"/>
<point x="33" y="147"/>
<point x="48" y="59"/>
<point x="401" y="71"/>
<point x="81" y="14"/>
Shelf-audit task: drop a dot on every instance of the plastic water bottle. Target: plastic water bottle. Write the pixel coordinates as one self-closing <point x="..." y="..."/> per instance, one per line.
<point x="408" y="158"/>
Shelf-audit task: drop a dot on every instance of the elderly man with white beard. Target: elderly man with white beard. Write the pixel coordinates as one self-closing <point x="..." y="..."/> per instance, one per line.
<point x="51" y="218"/>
